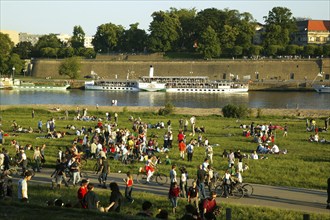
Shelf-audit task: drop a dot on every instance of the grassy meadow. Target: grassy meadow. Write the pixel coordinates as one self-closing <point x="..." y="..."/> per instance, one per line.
<point x="306" y="165"/>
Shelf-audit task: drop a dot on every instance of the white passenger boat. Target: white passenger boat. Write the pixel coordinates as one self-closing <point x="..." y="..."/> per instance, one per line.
<point x="20" y="85"/>
<point x="322" y="88"/>
<point x="6" y="83"/>
<point x="112" y="85"/>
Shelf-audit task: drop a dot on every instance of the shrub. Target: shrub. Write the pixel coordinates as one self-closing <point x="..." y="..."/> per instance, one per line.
<point x="234" y="111"/>
<point x="168" y="109"/>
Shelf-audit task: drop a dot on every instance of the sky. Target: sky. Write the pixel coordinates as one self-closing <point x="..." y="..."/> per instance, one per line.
<point x="60" y="16"/>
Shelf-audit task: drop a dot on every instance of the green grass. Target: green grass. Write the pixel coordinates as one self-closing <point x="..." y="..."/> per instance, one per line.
<point x="306" y="165"/>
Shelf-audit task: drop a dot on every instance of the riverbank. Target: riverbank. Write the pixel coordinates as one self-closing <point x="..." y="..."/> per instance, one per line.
<point x="301" y="113"/>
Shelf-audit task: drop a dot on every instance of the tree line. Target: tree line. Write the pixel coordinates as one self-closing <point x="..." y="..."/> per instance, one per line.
<point x="207" y="34"/>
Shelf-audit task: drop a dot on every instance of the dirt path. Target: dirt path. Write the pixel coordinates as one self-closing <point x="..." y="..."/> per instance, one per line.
<point x="291" y="198"/>
<point x="185" y="111"/>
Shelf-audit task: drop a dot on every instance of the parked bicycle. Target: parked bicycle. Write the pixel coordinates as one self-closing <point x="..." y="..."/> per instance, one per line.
<point x="161" y="178"/>
<point x="247" y="189"/>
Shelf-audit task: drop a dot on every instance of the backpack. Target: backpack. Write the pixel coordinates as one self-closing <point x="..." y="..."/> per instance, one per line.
<point x="189" y="149"/>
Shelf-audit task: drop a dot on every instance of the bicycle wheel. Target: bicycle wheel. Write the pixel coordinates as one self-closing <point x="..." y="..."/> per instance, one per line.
<point x="237" y="192"/>
<point x="247" y="189"/>
<point x="141" y="178"/>
<point x="161" y="179"/>
<point x="219" y="190"/>
<point x="13" y="171"/>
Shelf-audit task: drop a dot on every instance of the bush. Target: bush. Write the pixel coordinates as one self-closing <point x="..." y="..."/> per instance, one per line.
<point x="168" y="109"/>
<point x="234" y="111"/>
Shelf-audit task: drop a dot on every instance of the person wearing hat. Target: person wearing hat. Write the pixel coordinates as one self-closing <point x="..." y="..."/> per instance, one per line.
<point x="22" y="187"/>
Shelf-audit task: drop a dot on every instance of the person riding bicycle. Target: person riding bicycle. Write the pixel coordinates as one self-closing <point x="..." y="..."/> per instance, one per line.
<point x="150" y="167"/>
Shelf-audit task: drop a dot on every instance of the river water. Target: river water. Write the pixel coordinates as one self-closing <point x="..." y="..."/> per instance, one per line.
<point x="252" y="99"/>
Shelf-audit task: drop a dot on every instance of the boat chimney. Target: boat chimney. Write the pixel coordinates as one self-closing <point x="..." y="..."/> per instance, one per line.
<point x="151" y="72"/>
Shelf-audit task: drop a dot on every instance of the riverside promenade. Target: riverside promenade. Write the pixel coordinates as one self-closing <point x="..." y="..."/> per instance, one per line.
<point x="290" y="198"/>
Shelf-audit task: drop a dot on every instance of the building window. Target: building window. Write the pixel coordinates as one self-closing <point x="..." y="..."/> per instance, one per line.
<point x="291" y="75"/>
<point x="327" y="76"/>
<point x="318" y="39"/>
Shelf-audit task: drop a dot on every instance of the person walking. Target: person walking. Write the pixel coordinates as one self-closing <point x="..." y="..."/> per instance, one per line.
<point x="129" y="187"/>
<point x="173" y="195"/>
<point x="104" y="169"/>
<point x="193" y="195"/>
<point x="201" y="173"/>
<point x="190" y="150"/>
<point x="22" y="188"/>
<point x="173" y="174"/>
<point x="37" y="158"/>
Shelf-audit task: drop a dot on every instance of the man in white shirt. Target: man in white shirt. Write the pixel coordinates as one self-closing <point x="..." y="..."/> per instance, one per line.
<point x="173" y="174"/>
<point x="22" y="188"/>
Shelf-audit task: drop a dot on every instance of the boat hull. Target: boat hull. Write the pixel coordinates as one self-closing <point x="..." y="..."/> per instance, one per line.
<point x="42" y="88"/>
<point x="111" y="88"/>
<point x="151" y="86"/>
<point x="322" y="88"/>
<point x="207" y="90"/>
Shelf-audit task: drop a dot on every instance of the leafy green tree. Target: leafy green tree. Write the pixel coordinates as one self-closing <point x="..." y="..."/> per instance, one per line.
<point x="47" y="41"/>
<point x="15" y="61"/>
<point x="309" y="50"/>
<point x="209" y="45"/>
<point x="23" y="49"/>
<point x="186" y="33"/>
<point x="70" y="67"/>
<point x="66" y="52"/>
<point x="280" y="24"/>
<point x="326" y="50"/>
<point x="78" y="38"/>
<point x="318" y="51"/>
<point x="237" y="51"/>
<point x="272" y="50"/>
<point x="49" y="52"/>
<point x="88" y="53"/>
<point x="228" y="38"/>
<point x="255" y="50"/>
<point x="291" y="49"/>
<point x="6" y="46"/>
<point x="134" y="39"/>
<point x="107" y="37"/>
<point x="164" y="31"/>
<point x="246" y="30"/>
<point x="235" y="111"/>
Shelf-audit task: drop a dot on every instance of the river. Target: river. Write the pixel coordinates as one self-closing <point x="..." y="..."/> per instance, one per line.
<point x="252" y="99"/>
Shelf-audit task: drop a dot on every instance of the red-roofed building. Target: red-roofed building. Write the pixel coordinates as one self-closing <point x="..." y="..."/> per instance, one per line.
<point x="312" y="32"/>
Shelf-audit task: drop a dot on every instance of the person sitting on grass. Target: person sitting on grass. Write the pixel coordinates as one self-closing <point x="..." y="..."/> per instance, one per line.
<point x="116" y="198"/>
<point x="146" y="210"/>
<point x="91" y="200"/>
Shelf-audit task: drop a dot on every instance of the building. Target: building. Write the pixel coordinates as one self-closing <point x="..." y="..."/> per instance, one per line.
<point x="26" y="37"/>
<point x="312" y="32"/>
<point x="13" y="35"/>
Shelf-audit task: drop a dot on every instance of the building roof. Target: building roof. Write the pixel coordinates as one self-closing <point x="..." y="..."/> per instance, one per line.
<point x="318" y="25"/>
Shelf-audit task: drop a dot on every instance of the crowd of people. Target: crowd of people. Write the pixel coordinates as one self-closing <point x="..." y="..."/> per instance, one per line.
<point x="108" y="140"/>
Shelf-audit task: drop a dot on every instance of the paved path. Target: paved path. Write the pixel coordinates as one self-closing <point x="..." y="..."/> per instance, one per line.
<point x="299" y="199"/>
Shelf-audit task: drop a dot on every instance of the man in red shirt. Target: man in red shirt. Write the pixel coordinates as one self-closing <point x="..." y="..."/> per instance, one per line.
<point x="82" y="192"/>
<point x="210" y="206"/>
<point x="182" y="149"/>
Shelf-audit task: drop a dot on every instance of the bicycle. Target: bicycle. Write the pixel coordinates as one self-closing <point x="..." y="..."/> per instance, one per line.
<point x="235" y="191"/>
<point x="247" y="189"/>
<point x="161" y="178"/>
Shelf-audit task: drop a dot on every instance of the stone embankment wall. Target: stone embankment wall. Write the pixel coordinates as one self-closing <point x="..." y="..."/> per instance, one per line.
<point x="285" y="73"/>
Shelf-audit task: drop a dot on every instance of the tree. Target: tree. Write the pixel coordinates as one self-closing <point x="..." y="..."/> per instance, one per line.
<point x="255" y="50"/>
<point x="16" y="62"/>
<point x="164" y="31"/>
<point x="47" y="41"/>
<point x="209" y="45"/>
<point x="309" y="50"/>
<point x="280" y="24"/>
<point x="186" y="33"/>
<point x="237" y="51"/>
<point x="6" y="46"/>
<point x="134" y="39"/>
<point x="291" y="49"/>
<point x="23" y="49"/>
<point x="326" y="50"/>
<point x="70" y="67"/>
<point x="107" y="37"/>
<point x="78" y="38"/>
<point x="272" y="50"/>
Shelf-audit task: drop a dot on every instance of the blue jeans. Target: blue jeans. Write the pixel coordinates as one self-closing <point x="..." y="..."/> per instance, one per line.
<point x="174" y="201"/>
<point x="201" y="188"/>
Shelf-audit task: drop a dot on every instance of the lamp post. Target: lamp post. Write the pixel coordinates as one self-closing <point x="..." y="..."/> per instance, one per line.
<point x="13" y="75"/>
